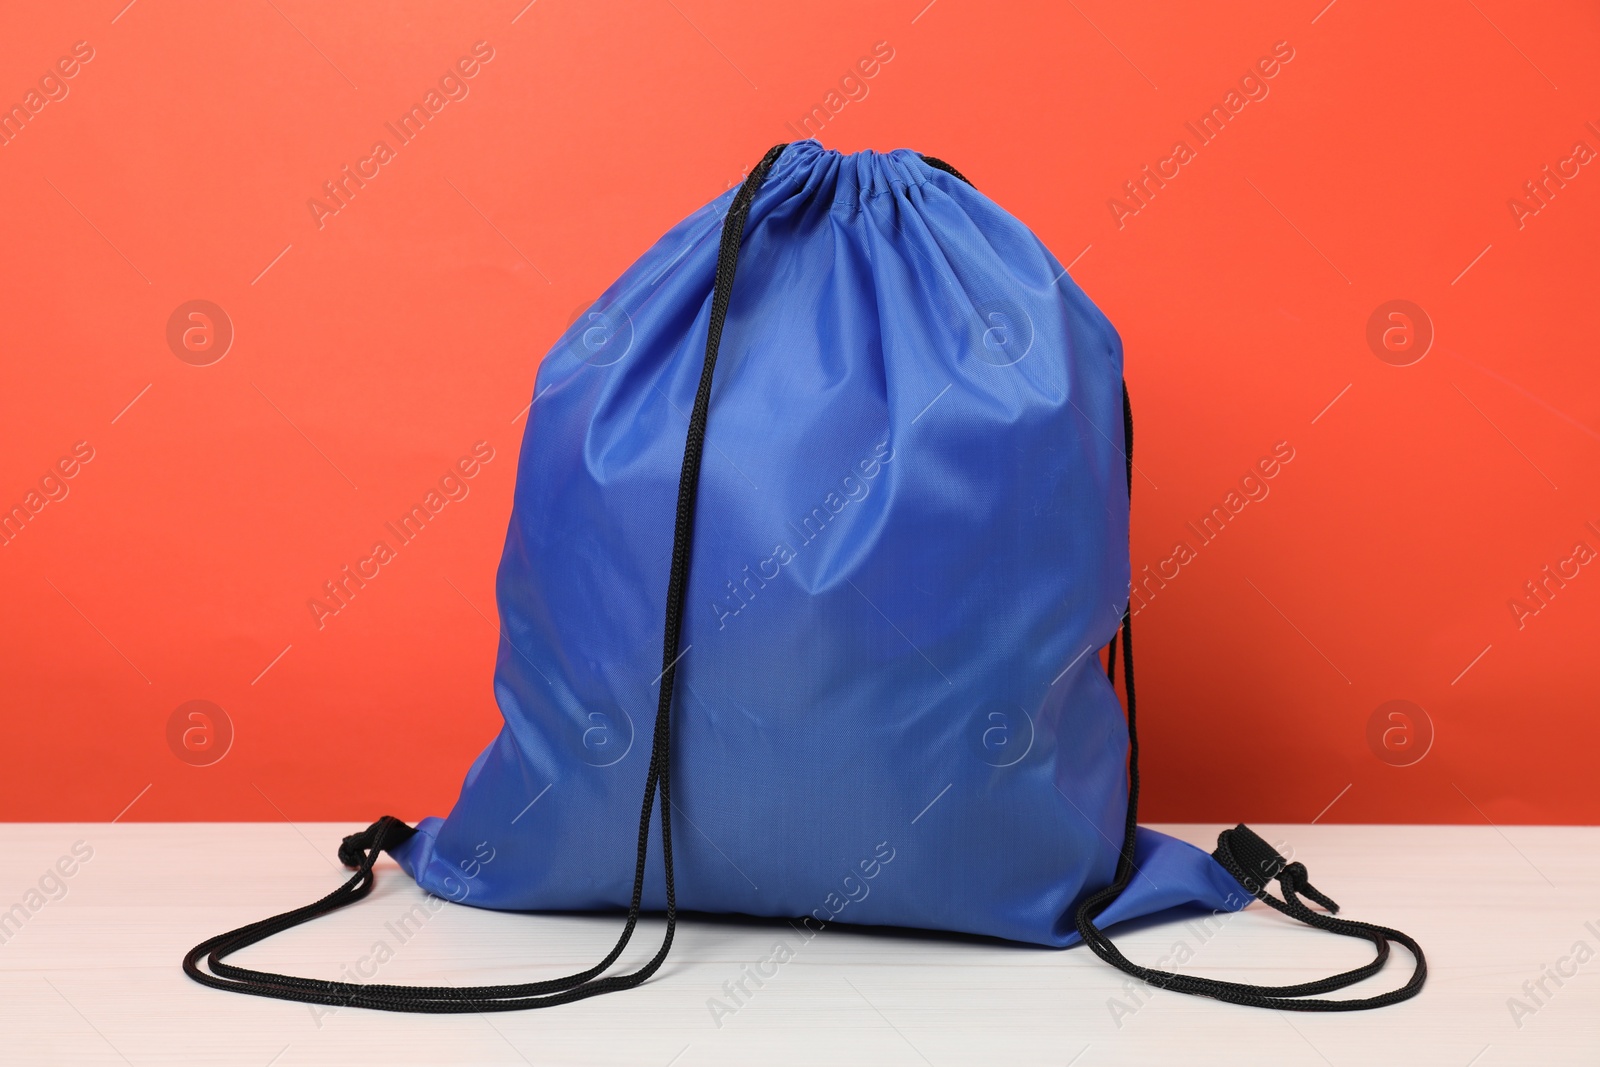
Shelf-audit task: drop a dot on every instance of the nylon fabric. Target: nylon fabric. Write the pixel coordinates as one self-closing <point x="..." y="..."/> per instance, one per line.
<point x="910" y="540"/>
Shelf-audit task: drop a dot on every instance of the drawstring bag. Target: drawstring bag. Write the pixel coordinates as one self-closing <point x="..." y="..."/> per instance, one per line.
<point x="855" y="436"/>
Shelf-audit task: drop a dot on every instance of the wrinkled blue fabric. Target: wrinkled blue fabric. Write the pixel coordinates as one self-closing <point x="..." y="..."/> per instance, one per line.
<point x="911" y="539"/>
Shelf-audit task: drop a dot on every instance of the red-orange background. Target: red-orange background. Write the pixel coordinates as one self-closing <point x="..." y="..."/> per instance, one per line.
<point x="376" y="350"/>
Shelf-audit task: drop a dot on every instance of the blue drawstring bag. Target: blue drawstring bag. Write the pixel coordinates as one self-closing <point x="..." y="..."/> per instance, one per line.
<point x="820" y="524"/>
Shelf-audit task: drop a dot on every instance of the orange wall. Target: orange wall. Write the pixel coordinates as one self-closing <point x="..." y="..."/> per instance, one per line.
<point x="373" y="348"/>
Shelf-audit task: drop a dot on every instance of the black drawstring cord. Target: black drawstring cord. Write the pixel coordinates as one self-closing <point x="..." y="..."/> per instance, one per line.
<point x="361" y="850"/>
<point x="1253" y="863"/>
<point x="384" y="835"/>
<point x="939" y="164"/>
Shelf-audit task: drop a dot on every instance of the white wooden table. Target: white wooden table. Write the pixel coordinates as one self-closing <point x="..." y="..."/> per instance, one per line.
<point x="92" y="976"/>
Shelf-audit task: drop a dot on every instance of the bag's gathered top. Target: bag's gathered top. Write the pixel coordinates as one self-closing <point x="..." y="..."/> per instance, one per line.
<point x="887" y="478"/>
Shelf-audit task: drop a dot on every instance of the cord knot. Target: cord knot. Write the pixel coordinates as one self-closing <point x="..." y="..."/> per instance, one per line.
<point x="1295" y="879"/>
<point x="1249" y="858"/>
<point x="361" y="850"/>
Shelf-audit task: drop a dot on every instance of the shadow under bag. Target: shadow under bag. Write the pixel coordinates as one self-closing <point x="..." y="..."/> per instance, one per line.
<point x="889" y="539"/>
